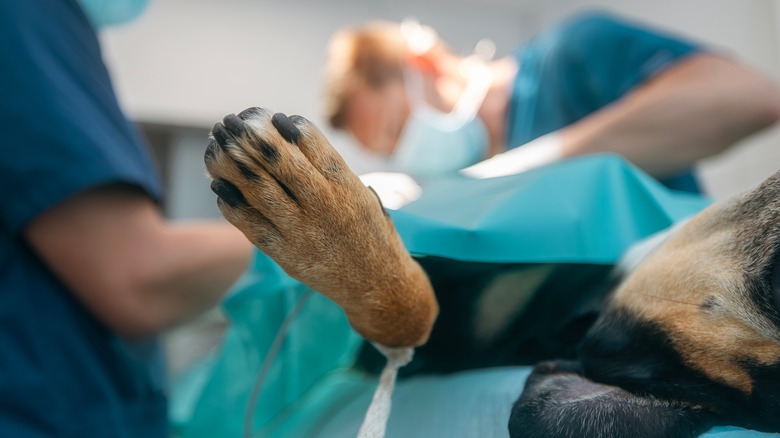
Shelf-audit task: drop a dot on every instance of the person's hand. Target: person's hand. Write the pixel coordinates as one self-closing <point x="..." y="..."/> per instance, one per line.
<point x="542" y="151"/>
<point x="282" y="184"/>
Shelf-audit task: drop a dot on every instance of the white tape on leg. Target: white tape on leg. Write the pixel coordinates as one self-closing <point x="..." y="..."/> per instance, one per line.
<point x="375" y="422"/>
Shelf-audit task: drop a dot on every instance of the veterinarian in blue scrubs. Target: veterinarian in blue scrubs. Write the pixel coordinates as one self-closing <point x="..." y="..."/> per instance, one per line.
<point x="90" y="271"/>
<point x="582" y="65"/>
<point x="595" y="82"/>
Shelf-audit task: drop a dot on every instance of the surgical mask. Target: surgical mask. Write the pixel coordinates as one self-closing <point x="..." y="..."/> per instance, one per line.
<point x="103" y="13"/>
<point x="430" y="146"/>
<point x="433" y="142"/>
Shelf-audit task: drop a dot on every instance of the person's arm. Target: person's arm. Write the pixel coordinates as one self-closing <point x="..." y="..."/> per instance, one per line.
<point x="138" y="273"/>
<point x="693" y="110"/>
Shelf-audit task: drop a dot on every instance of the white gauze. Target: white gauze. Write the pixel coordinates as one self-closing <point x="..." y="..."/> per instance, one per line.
<point x="375" y="422"/>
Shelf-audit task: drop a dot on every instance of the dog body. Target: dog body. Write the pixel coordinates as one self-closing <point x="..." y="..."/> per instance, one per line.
<point x="688" y="339"/>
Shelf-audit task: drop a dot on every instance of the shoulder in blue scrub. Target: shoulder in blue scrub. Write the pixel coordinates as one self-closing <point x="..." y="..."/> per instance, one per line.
<point x="62" y="373"/>
<point x="580" y="65"/>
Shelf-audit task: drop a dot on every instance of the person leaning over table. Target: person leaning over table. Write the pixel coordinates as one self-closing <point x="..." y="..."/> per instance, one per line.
<point x="592" y="83"/>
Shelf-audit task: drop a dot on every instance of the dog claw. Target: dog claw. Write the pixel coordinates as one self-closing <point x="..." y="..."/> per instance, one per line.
<point x="220" y="134"/>
<point x="228" y="193"/>
<point x="211" y="152"/>
<point x="286" y="127"/>
<point x="235" y="125"/>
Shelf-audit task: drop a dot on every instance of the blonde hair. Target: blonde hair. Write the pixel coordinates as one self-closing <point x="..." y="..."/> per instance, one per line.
<point x="370" y="55"/>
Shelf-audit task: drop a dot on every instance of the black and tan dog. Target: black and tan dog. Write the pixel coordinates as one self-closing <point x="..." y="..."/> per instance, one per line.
<point x="689" y="339"/>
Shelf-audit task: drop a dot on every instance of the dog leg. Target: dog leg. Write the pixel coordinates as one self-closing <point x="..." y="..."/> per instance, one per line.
<point x="284" y="186"/>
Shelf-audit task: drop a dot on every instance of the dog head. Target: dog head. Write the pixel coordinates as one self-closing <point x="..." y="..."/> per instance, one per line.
<point x="690" y="339"/>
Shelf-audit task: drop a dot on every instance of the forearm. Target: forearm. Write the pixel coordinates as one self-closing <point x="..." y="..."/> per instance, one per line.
<point x="187" y="270"/>
<point x="694" y="110"/>
<point x="135" y="271"/>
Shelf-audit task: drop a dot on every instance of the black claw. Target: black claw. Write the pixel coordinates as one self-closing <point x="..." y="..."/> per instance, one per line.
<point x="249" y="113"/>
<point x="220" y="134"/>
<point x="211" y="152"/>
<point x="235" y="125"/>
<point x="286" y="127"/>
<point x="228" y="193"/>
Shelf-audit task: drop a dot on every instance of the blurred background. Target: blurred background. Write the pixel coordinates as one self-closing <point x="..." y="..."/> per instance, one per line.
<point x="186" y="63"/>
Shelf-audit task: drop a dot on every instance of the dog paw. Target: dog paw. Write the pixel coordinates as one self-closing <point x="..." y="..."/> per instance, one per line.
<point x="283" y="185"/>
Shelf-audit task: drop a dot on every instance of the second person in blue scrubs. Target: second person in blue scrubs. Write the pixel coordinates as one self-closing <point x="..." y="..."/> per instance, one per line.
<point x="598" y="82"/>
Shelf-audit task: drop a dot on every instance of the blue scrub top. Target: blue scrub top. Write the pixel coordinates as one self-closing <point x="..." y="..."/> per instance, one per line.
<point x="62" y="373"/>
<point x="580" y="65"/>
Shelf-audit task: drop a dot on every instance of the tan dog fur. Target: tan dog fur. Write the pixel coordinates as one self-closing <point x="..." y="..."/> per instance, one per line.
<point x="695" y="285"/>
<point x="310" y="213"/>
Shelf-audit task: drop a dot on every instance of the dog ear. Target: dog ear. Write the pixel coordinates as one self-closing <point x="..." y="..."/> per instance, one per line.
<point x="558" y="402"/>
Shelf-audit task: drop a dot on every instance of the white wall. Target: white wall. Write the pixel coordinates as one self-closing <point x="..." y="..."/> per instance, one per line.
<point x="189" y="62"/>
<point x="195" y="60"/>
